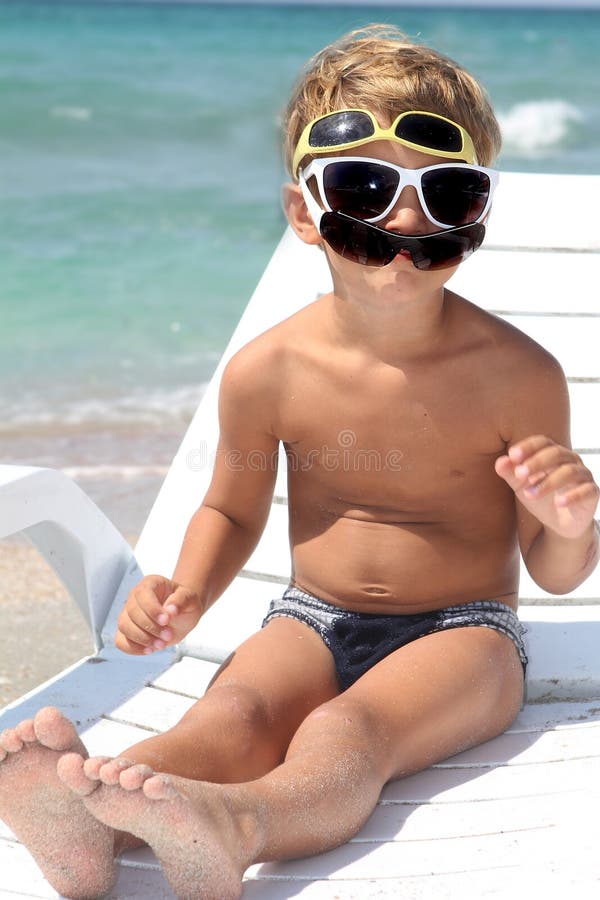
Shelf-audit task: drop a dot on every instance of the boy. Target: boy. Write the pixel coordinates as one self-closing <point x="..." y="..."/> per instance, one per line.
<point x="397" y="644"/>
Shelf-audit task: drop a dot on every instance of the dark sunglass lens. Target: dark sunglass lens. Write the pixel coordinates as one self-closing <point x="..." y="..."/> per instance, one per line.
<point x="368" y="245"/>
<point x="455" y="196"/>
<point x="358" y="241"/>
<point x="427" y="131"/>
<point x="340" y="128"/>
<point x="359" y="189"/>
<point x="444" y="249"/>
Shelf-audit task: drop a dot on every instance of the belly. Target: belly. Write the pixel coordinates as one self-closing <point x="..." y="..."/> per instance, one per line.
<point x="405" y="567"/>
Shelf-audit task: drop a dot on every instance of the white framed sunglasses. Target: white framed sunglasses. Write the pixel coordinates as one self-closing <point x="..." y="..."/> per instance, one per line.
<point x="367" y="244"/>
<point x="451" y="194"/>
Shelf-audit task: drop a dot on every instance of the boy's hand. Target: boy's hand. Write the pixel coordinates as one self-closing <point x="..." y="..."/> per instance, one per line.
<point x="158" y="613"/>
<point x="552" y="483"/>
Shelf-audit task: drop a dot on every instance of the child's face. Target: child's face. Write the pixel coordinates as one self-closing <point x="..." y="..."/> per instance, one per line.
<point x="408" y="218"/>
<point x="351" y="208"/>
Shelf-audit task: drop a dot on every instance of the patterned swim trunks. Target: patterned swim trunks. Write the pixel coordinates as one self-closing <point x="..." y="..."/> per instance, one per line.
<point x="358" y="641"/>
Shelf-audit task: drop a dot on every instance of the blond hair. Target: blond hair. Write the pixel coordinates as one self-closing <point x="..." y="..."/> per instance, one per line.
<point x="380" y="69"/>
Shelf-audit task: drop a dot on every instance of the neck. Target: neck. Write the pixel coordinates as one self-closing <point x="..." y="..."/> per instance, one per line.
<point x="392" y="332"/>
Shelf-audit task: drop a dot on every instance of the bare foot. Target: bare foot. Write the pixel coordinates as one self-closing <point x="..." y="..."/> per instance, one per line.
<point x="186" y="824"/>
<point x="73" y="850"/>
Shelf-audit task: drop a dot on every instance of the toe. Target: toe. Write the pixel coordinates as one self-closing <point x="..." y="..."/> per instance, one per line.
<point x="92" y="766"/>
<point x="26" y="731"/>
<point x="10" y="741"/>
<point x="71" y="772"/>
<point x="54" y="730"/>
<point x="110" y="772"/>
<point x="160" y="787"/>
<point x="134" y="777"/>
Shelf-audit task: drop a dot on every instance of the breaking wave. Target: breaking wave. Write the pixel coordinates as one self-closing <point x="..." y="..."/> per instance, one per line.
<point x="140" y="408"/>
<point x="536" y="128"/>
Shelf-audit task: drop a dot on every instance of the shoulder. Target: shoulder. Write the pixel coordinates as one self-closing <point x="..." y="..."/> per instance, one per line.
<point x="262" y="366"/>
<point x="526" y="382"/>
<point x="506" y="349"/>
<point x="522" y="362"/>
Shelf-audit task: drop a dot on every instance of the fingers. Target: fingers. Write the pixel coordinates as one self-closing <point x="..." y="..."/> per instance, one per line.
<point x="538" y="466"/>
<point x="145" y="621"/>
<point x="587" y="493"/>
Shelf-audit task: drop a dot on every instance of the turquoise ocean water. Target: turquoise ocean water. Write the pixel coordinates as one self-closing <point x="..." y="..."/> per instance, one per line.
<point x="139" y="197"/>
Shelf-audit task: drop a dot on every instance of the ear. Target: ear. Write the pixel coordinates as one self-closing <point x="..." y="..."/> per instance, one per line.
<point x="298" y="215"/>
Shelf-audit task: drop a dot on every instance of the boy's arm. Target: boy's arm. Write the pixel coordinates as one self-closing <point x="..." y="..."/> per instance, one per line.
<point x="226" y="528"/>
<point x="555" y="493"/>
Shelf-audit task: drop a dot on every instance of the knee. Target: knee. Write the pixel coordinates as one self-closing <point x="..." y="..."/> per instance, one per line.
<point x="342" y="714"/>
<point x="346" y="723"/>
<point x="236" y="710"/>
<point x="240" y="704"/>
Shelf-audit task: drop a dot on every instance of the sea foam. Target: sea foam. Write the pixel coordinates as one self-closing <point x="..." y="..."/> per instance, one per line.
<point x="77" y="113"/>
<point x="536" y="128"/>
<point x="137" y="408"/>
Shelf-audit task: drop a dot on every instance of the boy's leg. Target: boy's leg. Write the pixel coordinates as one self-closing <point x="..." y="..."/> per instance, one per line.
<point x="238" y="731"/>
<point x="425" y="702"/>
<point x="243" y="725"/>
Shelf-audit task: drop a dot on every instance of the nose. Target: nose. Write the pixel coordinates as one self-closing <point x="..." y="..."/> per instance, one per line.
<point x="408" y="216"/>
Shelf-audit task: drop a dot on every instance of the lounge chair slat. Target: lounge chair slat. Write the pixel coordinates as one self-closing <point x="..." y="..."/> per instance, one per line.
<point x="189" y="676"/>
<point x="236" y="616"/>
<point x="536" y="224"/>
<point x="499" y="281"/>
<point x="585" y="417"/>
<point x="106" y="737"/>
<point x="20" y="877"/>
<point x="442" y="887"/>
<point x="437" y="821"/>
<point x="574" y="341"/>
<point x="90" y="688"/>
<point x="452" y="785"/>
<point x="521" y="749"/>
<point x="443" y="856"/>
<point x="539" y="717"/>
<point x="152" y="709"/>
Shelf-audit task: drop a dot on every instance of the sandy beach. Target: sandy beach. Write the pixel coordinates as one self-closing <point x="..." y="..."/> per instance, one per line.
<point x="42" y="628"/>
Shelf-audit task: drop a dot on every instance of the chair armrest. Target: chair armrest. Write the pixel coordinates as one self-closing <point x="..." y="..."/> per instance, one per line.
<point x="78" y="541"/>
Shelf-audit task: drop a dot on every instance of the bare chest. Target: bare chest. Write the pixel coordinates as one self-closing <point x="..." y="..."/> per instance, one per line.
<point x="420" y="445"/>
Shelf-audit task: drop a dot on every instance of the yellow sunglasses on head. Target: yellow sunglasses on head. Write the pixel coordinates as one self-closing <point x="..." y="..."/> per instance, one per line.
<point x="419" y="130"/>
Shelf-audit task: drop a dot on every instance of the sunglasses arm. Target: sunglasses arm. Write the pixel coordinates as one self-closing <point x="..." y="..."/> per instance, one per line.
<point x="299" y="218"/>
<point x="314" y="210"/>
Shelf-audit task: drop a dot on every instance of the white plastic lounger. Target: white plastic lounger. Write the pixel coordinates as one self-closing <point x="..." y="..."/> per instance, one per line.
<point x="514" y="816"/>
